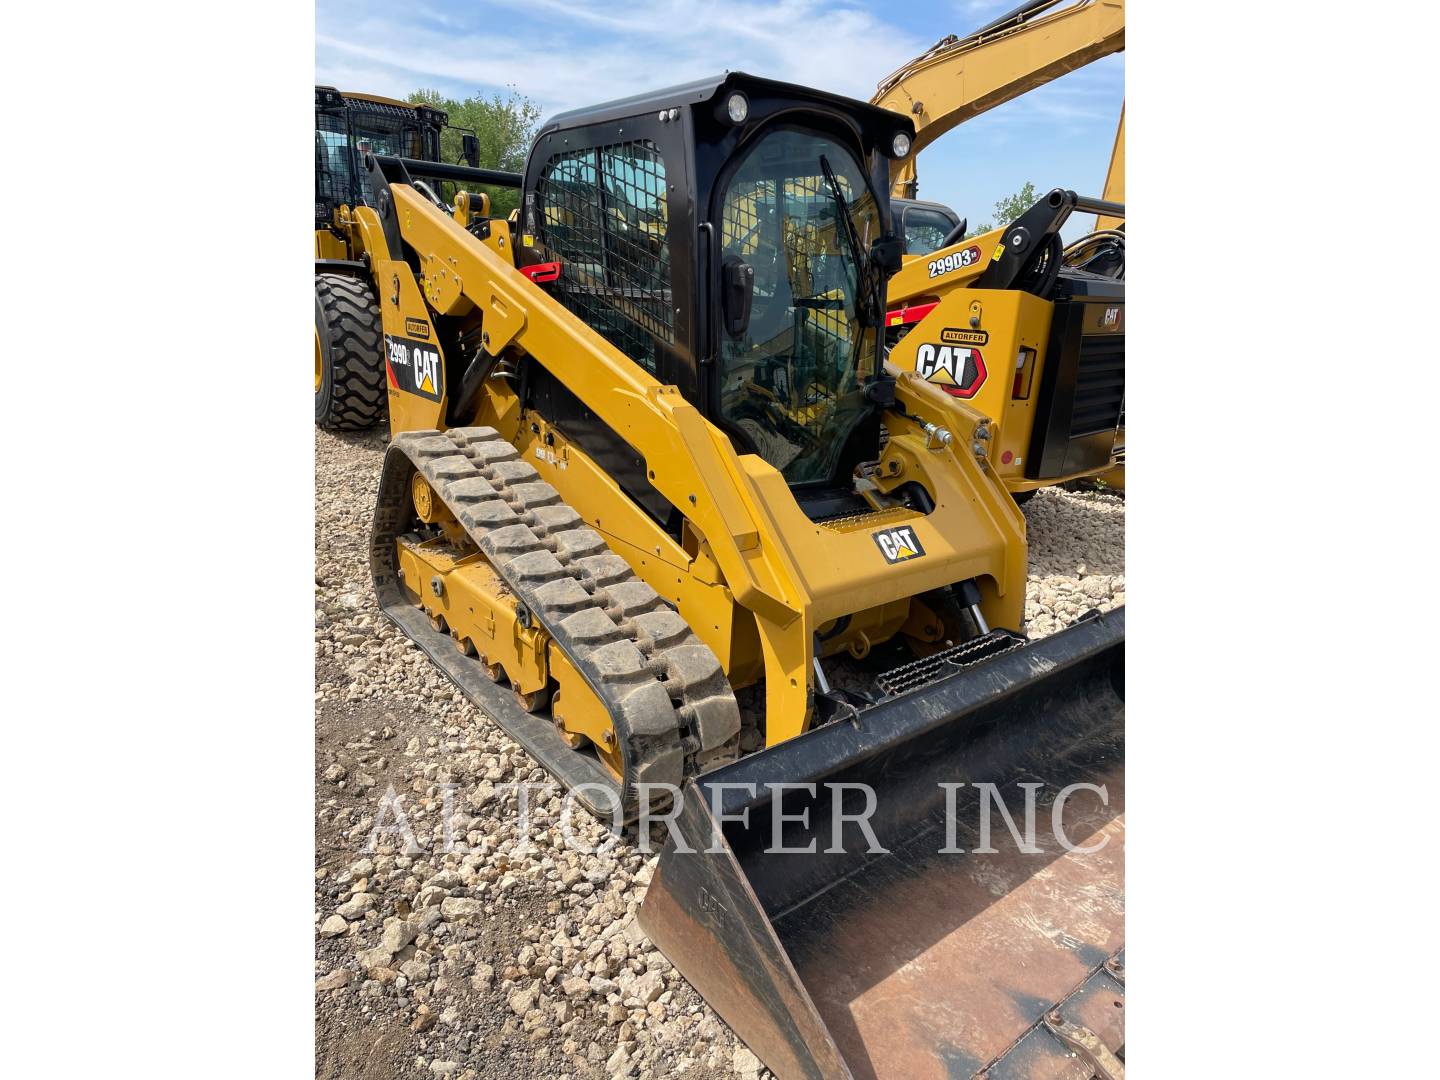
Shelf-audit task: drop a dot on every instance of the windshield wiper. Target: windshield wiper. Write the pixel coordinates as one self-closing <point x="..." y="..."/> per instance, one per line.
<point x="879" y="388"/>
<point x="864" y="281"/>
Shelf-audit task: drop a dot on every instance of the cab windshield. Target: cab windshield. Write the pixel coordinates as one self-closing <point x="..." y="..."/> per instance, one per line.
<point x="792" y="382"/>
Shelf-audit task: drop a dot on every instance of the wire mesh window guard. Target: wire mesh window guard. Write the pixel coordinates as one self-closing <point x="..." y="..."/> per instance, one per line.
<point x="341" y="139"/>
<point x="605" y="217"/>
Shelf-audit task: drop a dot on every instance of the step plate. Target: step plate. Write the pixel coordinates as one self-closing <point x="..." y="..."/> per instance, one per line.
<point x="923" y="672"/>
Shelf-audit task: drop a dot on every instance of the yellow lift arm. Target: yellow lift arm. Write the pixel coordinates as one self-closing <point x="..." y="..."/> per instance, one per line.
<point x="957" y="79"/>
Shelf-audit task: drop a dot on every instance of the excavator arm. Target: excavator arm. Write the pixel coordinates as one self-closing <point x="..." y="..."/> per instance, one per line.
<point x="957" y="79"/>
<point x="1114" y="177"/>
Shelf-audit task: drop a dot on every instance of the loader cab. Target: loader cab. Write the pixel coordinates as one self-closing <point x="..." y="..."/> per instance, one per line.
<point x="347" y="125"/>
<point x="725" y="235"/>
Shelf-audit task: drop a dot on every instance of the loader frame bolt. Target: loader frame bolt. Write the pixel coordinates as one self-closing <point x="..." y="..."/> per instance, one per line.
<point x="437" y="586"/>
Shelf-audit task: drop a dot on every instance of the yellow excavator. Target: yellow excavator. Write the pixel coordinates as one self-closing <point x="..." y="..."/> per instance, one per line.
<point x="655" y="500"/>
<point x="954" y="81"/>
<point x="957" y="78"/>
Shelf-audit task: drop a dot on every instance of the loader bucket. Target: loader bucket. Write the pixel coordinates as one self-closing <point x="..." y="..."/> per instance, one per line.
<point x="922" y="961"/>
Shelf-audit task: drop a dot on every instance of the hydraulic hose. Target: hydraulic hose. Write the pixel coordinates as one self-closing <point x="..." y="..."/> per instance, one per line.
<point x="1093" y="246"/>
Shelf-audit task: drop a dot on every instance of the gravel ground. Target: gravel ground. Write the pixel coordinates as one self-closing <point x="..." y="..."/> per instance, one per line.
<point x="493" y="959"/>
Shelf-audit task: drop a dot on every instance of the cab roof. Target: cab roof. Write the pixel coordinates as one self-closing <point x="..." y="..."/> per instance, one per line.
<point x="880" y="124"/>
<point x="377" y="99"/>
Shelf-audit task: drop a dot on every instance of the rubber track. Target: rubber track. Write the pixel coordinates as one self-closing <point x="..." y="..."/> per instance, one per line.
<point x="666" y="692"/>
<point x="352" y="322"/>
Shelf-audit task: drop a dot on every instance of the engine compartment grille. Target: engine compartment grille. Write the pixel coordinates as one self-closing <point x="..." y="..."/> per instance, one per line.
<point x="1099" y="385"/>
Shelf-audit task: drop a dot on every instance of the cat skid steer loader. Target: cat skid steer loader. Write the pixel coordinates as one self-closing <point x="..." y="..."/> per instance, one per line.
<point x="657" y="504"/>
<point x="1032" y="334"/>
<point x="1054" y="381"/>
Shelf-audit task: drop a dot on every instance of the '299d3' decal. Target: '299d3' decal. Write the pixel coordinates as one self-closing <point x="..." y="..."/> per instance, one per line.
<point x="959" y="370"/>
<point x="414" y="367"/>
<point x="956" y="260"/>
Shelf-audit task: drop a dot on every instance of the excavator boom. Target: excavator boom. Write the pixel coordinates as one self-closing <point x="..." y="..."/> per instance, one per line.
<point x="957" y="79"/>
<point x="1115" y="178"/>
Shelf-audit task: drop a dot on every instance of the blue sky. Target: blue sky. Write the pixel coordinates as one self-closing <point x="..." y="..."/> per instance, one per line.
<point x="573" y="53"/>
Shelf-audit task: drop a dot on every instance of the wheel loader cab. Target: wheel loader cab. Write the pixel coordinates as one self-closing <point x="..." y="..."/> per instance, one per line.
<point x="721" y="234"/>
<point x="349" y="125"/>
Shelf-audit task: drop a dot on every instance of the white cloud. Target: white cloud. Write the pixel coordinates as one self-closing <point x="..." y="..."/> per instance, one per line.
<point x="368" y="78"/>
<point x="570" y="54"/>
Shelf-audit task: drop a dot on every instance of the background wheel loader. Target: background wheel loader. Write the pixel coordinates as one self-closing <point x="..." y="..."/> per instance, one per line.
<point x="349" y="388"/>
<point x="654" y="498"/>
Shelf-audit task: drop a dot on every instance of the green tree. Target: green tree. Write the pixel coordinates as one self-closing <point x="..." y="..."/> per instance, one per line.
<point x="505" y="126"/>
<point x="1009" y="208"/>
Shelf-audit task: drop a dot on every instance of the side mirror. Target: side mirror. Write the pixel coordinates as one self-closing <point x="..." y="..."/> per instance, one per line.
<point x="737" y="287"/>
<point x="470" y="150"/>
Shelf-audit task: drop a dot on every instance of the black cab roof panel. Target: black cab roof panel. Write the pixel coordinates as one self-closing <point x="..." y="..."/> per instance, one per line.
<point x="880" y="124"/>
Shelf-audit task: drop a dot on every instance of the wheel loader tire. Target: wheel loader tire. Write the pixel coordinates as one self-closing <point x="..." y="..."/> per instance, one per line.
<point x="1022" y="497"/>
<point x="349" y="361"/>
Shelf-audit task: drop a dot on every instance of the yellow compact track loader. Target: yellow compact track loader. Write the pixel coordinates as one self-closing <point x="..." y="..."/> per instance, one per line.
<point x="657" y="503"/>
